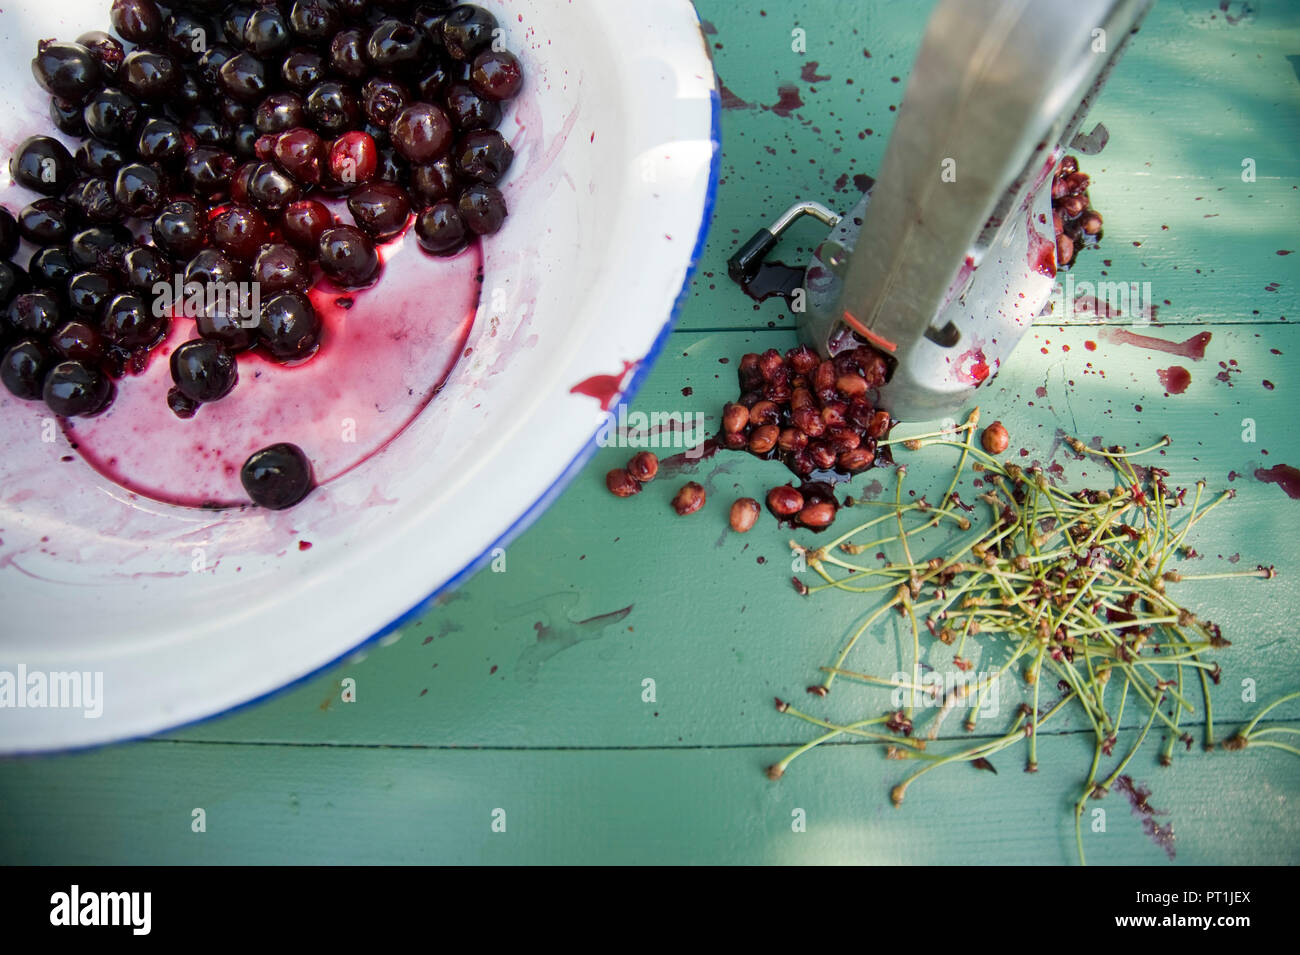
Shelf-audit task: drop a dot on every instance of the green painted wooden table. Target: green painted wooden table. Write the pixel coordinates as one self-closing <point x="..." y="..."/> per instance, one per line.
<point x="522" y="696"/>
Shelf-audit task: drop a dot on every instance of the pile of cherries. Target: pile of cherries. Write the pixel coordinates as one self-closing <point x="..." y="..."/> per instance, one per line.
<point x="207" y="139"/>
<point x="1078" y="225"/>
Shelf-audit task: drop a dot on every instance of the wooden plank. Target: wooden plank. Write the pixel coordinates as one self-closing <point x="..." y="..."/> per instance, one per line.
<point x="330" y="805"/>
<point x="1192" y="99"/>
<point x="713" y="620"/>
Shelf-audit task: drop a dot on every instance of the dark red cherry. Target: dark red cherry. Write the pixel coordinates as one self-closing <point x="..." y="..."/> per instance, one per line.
<point x="178" y="230"/>
<point x="315" y="21"/>
<point x="440" y="229"/>
<point x="203" y="370"/>
<point x="266" y="33"/>
<point x="211" y="267"/>
<point x="50" y="268"/>
<point x="468" y="110"/>
<point x="161" y="141"/>
<point x="68" y="117"/>
<point x="239" y="232"/>
<point x="112" y="115"/>
<point x="140" y="189"/>
<point x="73" y="388"/>
<point x="208" y="171"/>
<point x="43" y="164"/>
<point x="483" y="155"/>
<point x="148" y="76"/>
<point x="380" y="209"/>
<point x="301" y="153"/>
<point x="496" y="75"/>
<point x="348" y="256"/>
<point x="78" y="341"/>
<point x="302" y="69"/>
<point x="395" y="47"/>
<point x="89" y="292"/>
<point x="435" y="181"/>
<point x="144" y="268"/>
<point x="383" y="98"/>
<point x="332" y="108"/>
<point x="466" y="30"/>
<point x="92" y="199"/>
<point x="483" y="208"/>
<point x="302" y="224"/>
<point x="95" y="157"/>
<point x="348" y="54"/>
<point x="45" y="222"/>
<point x="279" y="268"/>
<point x="279" y="112"/>
<point x="34" y="315"/>
<point x="138" y="21"/>
<point x="289" y="328"/>
<point x="131" y="321"/>
<point x="106" y="49"/>
<point x="421" y="132"/>
<point x="270" y="189"/>
<point x="69" y="71"/>
<point x="352" y="158"/>
<point x="277" y="477"/>
<point x="243" y="76"/>
<point x="23" y="369"/>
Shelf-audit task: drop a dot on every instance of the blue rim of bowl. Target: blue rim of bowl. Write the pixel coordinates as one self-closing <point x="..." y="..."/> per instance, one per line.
<point x="525" y="520"/>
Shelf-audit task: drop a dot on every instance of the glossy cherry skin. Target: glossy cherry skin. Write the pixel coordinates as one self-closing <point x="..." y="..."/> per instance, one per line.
<point x="137" y="21"/>
<point x="107" y="51"/>
<point x="68" y="117"/>
<point x="266" y="33"/>
<point x="143" y="268"/>
<point x="113" y="116"/>
<point x="279" y="267"/>
<point x="277" y="477"/>
<point x="73" y="388"/>
<point x="140" y="189"/>
<point x="178" y="229"/>
<point x="23" y="368"/>
<point x="421" y="132"/>
<point x="380" y="209"/>
<point x="279" y="112"/>
<point x="67" y="70"/>
<point x="436" y="181"/>
<point x="332" y="108"/>
<point x="211" y="266"/>
<point x="302" y="69"/>
<point x="353" y="158"/>
<point x="34" y="315"/>
<point x="395" y="47"/>
<point x="289" y="328"/>
<point x="148" y="76"/>
<point x="302" y="224"/>
<point x="43" y="164"/>
<point x="45" y="222"/>
<point x="89" y="291"/>
<point x="50" y="268"/>
<point x="95" y="157"/>
<point x="92" y="200"/>
<point x="466" y="30"/>
<point x="244" y="77"/>
<point x="348" y="256"/>
<point x="483" y="155"/>
<point x="348" y="54"/>
<point x="79" y="341"/>
<point x="203" y="370"/>
<point x="315" y="21"/>
<point x="131" y="321"/>
<point x="161" y="141"/>
<point x="468" y="110"/>
<point x="441" y="230"/>
<point x="483" y="208"/>
<point x="496" y="75"/>
<point x="301" y="153"/>
<point x="239" y="232"/>
<point x="270" y="189"/>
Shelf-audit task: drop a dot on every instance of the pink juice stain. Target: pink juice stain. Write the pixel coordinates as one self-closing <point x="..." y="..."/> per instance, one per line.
<point x="385" y="351"/>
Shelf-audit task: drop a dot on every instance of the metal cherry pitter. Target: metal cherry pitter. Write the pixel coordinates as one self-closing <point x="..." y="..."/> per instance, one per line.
<point x="949" y="256"/>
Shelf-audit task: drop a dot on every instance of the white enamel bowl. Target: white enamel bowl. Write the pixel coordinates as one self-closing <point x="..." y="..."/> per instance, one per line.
<point x="610" y="197"/>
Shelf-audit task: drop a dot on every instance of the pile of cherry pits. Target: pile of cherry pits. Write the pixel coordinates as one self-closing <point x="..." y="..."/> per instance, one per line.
<point x="815" y="415"/>
<point x="204" y="152"/>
